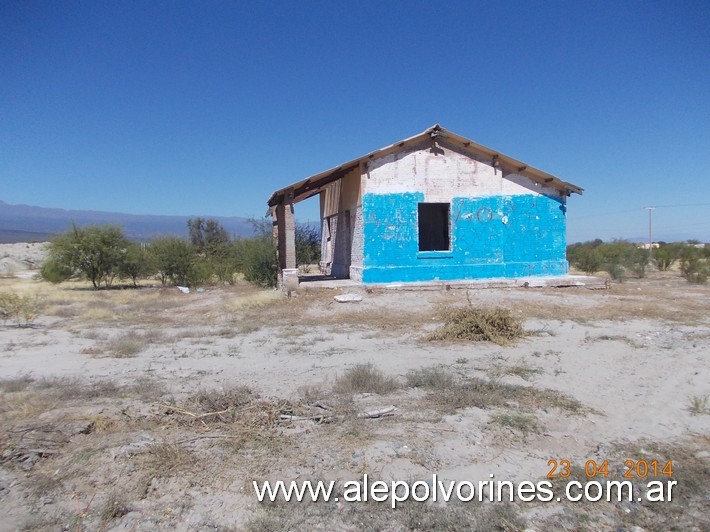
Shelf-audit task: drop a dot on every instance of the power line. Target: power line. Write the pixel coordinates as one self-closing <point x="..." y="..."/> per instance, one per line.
<point x="683" y="205"/>
<point x="627" y="211"/>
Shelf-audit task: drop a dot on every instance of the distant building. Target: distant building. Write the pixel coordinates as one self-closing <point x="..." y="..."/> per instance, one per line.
<point x="435" y="206"/>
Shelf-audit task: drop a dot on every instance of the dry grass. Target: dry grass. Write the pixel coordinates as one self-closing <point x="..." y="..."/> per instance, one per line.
<point x="251" y="301"/>
<point x="131" y="343"/>
<point x="449" y="393"/>
<point x="205" y="454"/>
<point x="363" y="378"/>
<point x="433" y="378"/>
<point x="29" y="402"/>
<point x="169" y="458"/>
<point x="124" y="345"/>
<point x="654" y="298"/>
<point x="228" y="401"/>
<point x="115" y="505"/>
<point x="147" y="389"/>
<point x="699" y="405"/>
<point x="409" y="515"/>
<point x="17" y="384"/>
<point x="520" y="369"/>
<point x="479" y="325"/>
<point x="524" y="423"/>
<point x="687" y="511"/>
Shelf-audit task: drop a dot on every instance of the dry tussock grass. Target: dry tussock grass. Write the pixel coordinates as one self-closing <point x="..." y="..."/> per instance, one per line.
<point x="449" y="392"/>
<point x="27" y="398"/>
<point x="363" y="378"/>
<point x="479" y="325"/>
<point x="131" y="343"/>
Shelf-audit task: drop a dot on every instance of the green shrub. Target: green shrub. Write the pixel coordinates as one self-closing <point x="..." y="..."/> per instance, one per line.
<point x="54" y="271"/>
<point x="207" y="235"/>
<point x="224" y="262"/>
<point x="618" y="258"/>
<point x="135" y="263"/>
<point x="257" y="260"/>
<point x="695" y="269"/>
<point x="665" y="256"/>
<point x="199" y="273"/>
<point x="172" y="258"/>
<point x="22" y="309"/>
<point x="588" y="260"/>
<point x="307" y="245"/>
<point x="95" y="251"/>
<point x="615" y="270"/>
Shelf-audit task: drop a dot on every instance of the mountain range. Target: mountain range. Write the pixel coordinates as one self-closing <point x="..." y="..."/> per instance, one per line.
<point x="27" y="223"/>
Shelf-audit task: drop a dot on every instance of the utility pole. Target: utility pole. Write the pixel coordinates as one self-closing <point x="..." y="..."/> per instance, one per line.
<point x="650" y="233"/>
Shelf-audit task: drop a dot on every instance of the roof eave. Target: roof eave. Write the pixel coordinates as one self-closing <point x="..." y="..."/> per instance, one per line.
<point x="312" y="185"/>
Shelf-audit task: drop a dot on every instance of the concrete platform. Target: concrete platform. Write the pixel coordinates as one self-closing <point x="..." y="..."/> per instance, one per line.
<point x="563" y="281"/>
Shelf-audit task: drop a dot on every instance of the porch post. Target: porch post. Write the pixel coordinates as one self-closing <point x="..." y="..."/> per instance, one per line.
<point x="285" y="236"/>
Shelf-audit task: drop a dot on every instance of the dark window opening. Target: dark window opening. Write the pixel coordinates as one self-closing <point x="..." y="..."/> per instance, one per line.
<point x="433" y="227"/>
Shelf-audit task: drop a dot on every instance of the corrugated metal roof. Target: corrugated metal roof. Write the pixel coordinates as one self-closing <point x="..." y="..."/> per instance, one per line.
<point x="312" y="185"/>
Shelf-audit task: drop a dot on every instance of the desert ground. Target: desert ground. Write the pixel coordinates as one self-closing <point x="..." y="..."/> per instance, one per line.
<point x="150" y="409"/>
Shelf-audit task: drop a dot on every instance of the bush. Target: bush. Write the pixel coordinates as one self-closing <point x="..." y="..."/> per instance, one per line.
<point x="172" y="258"/>
<point x="589" y="261"/>
<point x="96" y="251"/>
<point x="257" y="260"/>
<point x="224" y="262"/>
<point x="23" y="309"/>
<point x="695" y="269"/>
<point x="616" y="258"/>
<point x="54" y="271"/>
<point x="469" y="323"/>
<point x="665" y="256"/>
<point x="207" y="235"/>
<point x="307" y="245"/>
<point x="199" y="273"/>
<point x="135" y="263"/>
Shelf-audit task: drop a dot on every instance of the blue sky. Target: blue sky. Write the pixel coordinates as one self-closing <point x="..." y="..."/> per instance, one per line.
<point x="208" y="107"/>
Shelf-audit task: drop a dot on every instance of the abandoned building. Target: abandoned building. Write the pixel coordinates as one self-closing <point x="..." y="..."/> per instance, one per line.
<point x="433" y="207"/>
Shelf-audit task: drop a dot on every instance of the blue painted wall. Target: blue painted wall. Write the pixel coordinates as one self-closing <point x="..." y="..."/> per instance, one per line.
<point x="498" y="236"/>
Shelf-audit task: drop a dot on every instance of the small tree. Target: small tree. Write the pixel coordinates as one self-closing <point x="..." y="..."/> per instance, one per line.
<point x="665" y="256"/>
<point x="172" y="258"/>
<point x="307" y="245"/>
<point x="693" y="266"/>
<point x="135" y="263"/>
<point x="55" y="271"/>
<point x="96" y="251"/>
<point x="257" y="260"/>
<point x="22" y="308"/>
<point x="588" y="260"/>
<point x="207" y="235"/>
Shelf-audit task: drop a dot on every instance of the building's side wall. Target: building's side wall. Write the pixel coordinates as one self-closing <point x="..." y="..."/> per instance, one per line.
<point x="340" y="204"/>
<point x="500" y="226"/>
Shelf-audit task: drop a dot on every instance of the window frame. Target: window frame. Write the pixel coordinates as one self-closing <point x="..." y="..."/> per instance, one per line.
<point x="430" y="251"/>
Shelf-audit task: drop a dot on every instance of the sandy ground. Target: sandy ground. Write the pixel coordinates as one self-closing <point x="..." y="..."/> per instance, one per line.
<point x="100" y="404"/>
<point x="21" y="260"/>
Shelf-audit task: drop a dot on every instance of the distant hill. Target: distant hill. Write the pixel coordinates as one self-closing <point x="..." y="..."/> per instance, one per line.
<point x="26" y="223"/>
